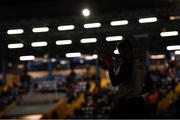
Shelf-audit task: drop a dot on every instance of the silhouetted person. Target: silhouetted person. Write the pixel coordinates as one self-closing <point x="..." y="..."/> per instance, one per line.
<point x="25" y="81"/>
<point x="133" y="79"/>
<point x="172" y="75"/>
<point x="71" y="85"/>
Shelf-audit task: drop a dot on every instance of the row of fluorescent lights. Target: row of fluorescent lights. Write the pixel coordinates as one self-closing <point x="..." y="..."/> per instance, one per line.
<point x="94" y="25"/>
<point x="63" y="42"/>
<point x="68" y="55"/>
<point x="88" y="25"/>
<point x="84" y="40"/>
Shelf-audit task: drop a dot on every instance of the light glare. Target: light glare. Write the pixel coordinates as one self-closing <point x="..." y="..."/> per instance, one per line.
<point x="116" y="51"/>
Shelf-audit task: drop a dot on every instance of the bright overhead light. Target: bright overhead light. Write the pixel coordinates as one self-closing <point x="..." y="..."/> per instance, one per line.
<point x="114" y="38"/>
<point x="88" y="57"/>
<point x="88" y="40"/>
<point x="169" y="33"/>
<point x="40" y="29"/>
<point x="95" y="56"/>
<point x="15" y="45"/>
<point x="157" y="56"/>
<point x="120" y="22"/>
<point x="86" y="12"/>
<point x="92" y="25"/>
<point x="174" y="17"/>
<point x="173" y="47"/>
<point x="177" y="52"/>
<point x="76" y="54"/>
<point x="63" y="42"/>
<point x="15" y="31"/>
<point x="116" y="51"/>
<point x="148" y="20"/>
<point x="26" y="58"/>
<point x="66" y="27"/>
<point x="39" y="44"/>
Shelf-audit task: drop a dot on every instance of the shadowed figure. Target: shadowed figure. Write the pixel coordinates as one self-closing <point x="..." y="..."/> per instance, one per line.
<point x="133" y="79"/>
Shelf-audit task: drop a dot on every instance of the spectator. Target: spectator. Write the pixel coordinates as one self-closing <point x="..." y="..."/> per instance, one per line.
<point x="132" y="78"/>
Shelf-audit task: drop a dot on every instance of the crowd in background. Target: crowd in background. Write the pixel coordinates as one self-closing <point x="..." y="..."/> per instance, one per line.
<point x="99" y="102"/>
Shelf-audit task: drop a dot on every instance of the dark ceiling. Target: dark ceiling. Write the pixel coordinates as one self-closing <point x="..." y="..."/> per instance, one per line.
<point x="51" y="13"/>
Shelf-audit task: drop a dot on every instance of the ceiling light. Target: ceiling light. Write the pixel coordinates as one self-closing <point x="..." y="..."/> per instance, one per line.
<point x="15" y="45"/>
<point x="76" y="54"/>
<point x="120" y="22"/>
<point x="26" y="58"/>
<point x="92" y="25"/>
<point x="66" y="27"/>
<point x="170" y="33"/>
<point x="88" y="57"/>
<point x="114" y="38"/>
<point x="15" y="31"/>
<point x="174" y="17"/>
<point x="63" y="42"/>
<point x="157" y="56"/>
<point x="148" y="20"/>
<point x="86" y="12"/>
<point x="173" y="47"/>
<point x="177" y="52"/>
<point x="39" y="44"/>
<point x="95" y="56"/>
<point x="40" y="29"/>
<point x="88" y="40"/>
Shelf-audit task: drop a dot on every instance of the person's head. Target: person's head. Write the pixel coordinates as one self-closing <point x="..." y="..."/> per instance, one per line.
<point x="125" y="49"/>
